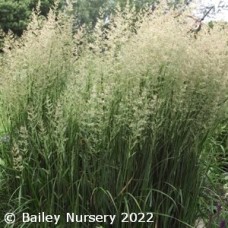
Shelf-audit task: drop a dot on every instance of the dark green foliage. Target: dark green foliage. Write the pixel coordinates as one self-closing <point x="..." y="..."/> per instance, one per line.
<point x="15" y="15"/>
<point x="44" y="7"/>
<point x="89" y="11"/>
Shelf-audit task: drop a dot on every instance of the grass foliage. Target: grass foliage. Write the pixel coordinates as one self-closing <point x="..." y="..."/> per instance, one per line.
<point x="122" y="119"/>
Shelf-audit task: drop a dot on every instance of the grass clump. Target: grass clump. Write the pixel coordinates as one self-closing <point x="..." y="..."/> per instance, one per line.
<point x="117" y="121"/>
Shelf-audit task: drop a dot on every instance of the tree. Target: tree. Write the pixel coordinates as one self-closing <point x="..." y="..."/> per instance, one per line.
<point x="87" y="12"/>
<point x="15" y="14"/>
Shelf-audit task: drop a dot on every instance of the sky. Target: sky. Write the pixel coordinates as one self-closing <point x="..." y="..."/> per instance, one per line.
<point x="218" y="13"/>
